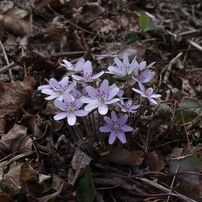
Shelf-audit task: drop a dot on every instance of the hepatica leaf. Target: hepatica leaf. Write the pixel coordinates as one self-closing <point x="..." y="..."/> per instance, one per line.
<point x="188" y="110"/>
<point x="191" y="104"/>
<point x="145" y="24"/>
<point x="85" y="187"/>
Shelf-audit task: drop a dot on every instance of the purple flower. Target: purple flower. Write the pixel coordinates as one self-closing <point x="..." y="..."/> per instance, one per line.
<point x="76" y="93"/>
<point x="122" y="69"/>
<point x="100" y="98"/>
<point x="128" y="106"/>
<point x="56" y="89"/>
<point x="142" y="73"/>
<point x="147" y="93"/>
<point x="77" y="67"/>
<point x="70" y="108"/>
<point x="117" y="127"/>
<point x="88" y="73"/>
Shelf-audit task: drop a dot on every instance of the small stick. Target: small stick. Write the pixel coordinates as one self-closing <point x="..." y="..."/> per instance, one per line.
<point x="6" y="59"/>
<point x="195" y="45"/>
<point x="167" y="73"/>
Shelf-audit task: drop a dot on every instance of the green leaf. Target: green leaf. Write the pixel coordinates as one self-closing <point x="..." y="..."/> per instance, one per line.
<point x="188" y="110"/>
<point x="85" y="187"/>
<point x="191" y="104"/>
<point x="145" y="23"/>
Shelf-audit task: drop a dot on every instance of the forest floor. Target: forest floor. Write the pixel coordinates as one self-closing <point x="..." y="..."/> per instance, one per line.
<point x="39" y="159"/>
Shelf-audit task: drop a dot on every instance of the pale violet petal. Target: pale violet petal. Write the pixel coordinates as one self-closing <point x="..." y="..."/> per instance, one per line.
<point x="81" y="113"/>
<point x="77" y="78"/>
<point x="114" y="116"/>
<point x="118" y="62"/>
<point x="91" y="106"/>
<point x="127" y="128"/>
<point x="59" y="104"/>
<point x="105" y="129"/>
<point x="112" y="101"/>
<point x="71" y="119"/>
<point x="92" y="92"/>
<point x="112" y="138"/>
<point x="96" y="76"/>
<point x="86" y="100"/>
<point x="103" y="109"/>
<point x="60" y="116"/>
<point x="122" y="137"/>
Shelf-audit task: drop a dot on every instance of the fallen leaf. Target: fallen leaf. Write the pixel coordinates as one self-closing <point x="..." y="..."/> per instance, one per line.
<point x="4" y="197"/>
<point x="154" y="162"/>
<point x="190" y="183"/>
<point x="124" y="157"/>
<point x="16" y="25"/>
<point x="14" y="95"/>
<point x="16" y="140"/>
<point x="79" y="162"/>
<point x="12" y="178"/>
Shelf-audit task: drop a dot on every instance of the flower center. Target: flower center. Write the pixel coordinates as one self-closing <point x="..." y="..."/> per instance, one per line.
<point x="101" y="99"/>
<point x="116" y="127"/>
<point x="70" y="110"/>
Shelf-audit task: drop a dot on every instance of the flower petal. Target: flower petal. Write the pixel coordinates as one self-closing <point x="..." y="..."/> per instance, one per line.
<point x="91" y="106"/>
<point x="104" y="86"/>
<point x="77" y="78"/>
<point x="118" y="62"/>
<point x="108" y="121"/>
<point x="71" y="119"/>
<point x="114" y="116"/>
<point x="122" y="137"/>
<point x="105" y="129"/>
<point x="60" y="116"/>
<point x="127" y="128"/>
<point x="112" y="101"/>
<point x="112" y="138"/>
<point x="68" y="97"/>
<point x="92" y="92"/>
<point x="126" y="60"/>
<point x="103" y="109"/>
<point x="86" y="100"/>
<point x="59" y="104"/>
<point x="96" y="76"/>
<point x="113" y="92"/>
<point x="123" y="119"/>
<point x="81" y="113"/>
<point x="51" y="97"/>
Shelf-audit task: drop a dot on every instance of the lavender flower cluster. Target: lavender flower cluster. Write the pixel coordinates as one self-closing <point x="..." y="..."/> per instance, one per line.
<point x="83" y="92"/>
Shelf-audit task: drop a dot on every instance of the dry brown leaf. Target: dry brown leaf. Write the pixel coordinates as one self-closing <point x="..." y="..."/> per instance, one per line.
<point x="89" y="12"/>
<point x="16" y="25"/>
<point x="124" y="157"/>
<point x="16" y="140"/>
<point x="14" y="95"/>
<point x="4" y="197"/>
<point x="12" y="178"/>
<point x="103" y="26"/>
<point x="154" y="162"/>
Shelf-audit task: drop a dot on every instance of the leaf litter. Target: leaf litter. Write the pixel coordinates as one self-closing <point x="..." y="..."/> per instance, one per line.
<point x="41" y="159"/>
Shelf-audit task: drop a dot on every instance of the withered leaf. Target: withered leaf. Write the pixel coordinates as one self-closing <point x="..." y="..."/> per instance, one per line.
<point x="154" y="162"/>
<point x="16" y="25"/>
<point x="16" y="140"/>
<point x="14" y="95"/>
<point x="12" y="178"/>
<point x="124" y="157"/>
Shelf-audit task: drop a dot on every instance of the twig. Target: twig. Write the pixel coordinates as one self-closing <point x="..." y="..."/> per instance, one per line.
<point x="7" y="67"/>
<point x="195" y="45"/>
<point x="67" y="53"/>
<point x="167" y="73"/>
<point x="6" y="59"/>
<point x="172" y="183"/>
<point x="164" y="189"/>
<point x="69" y="22"/>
